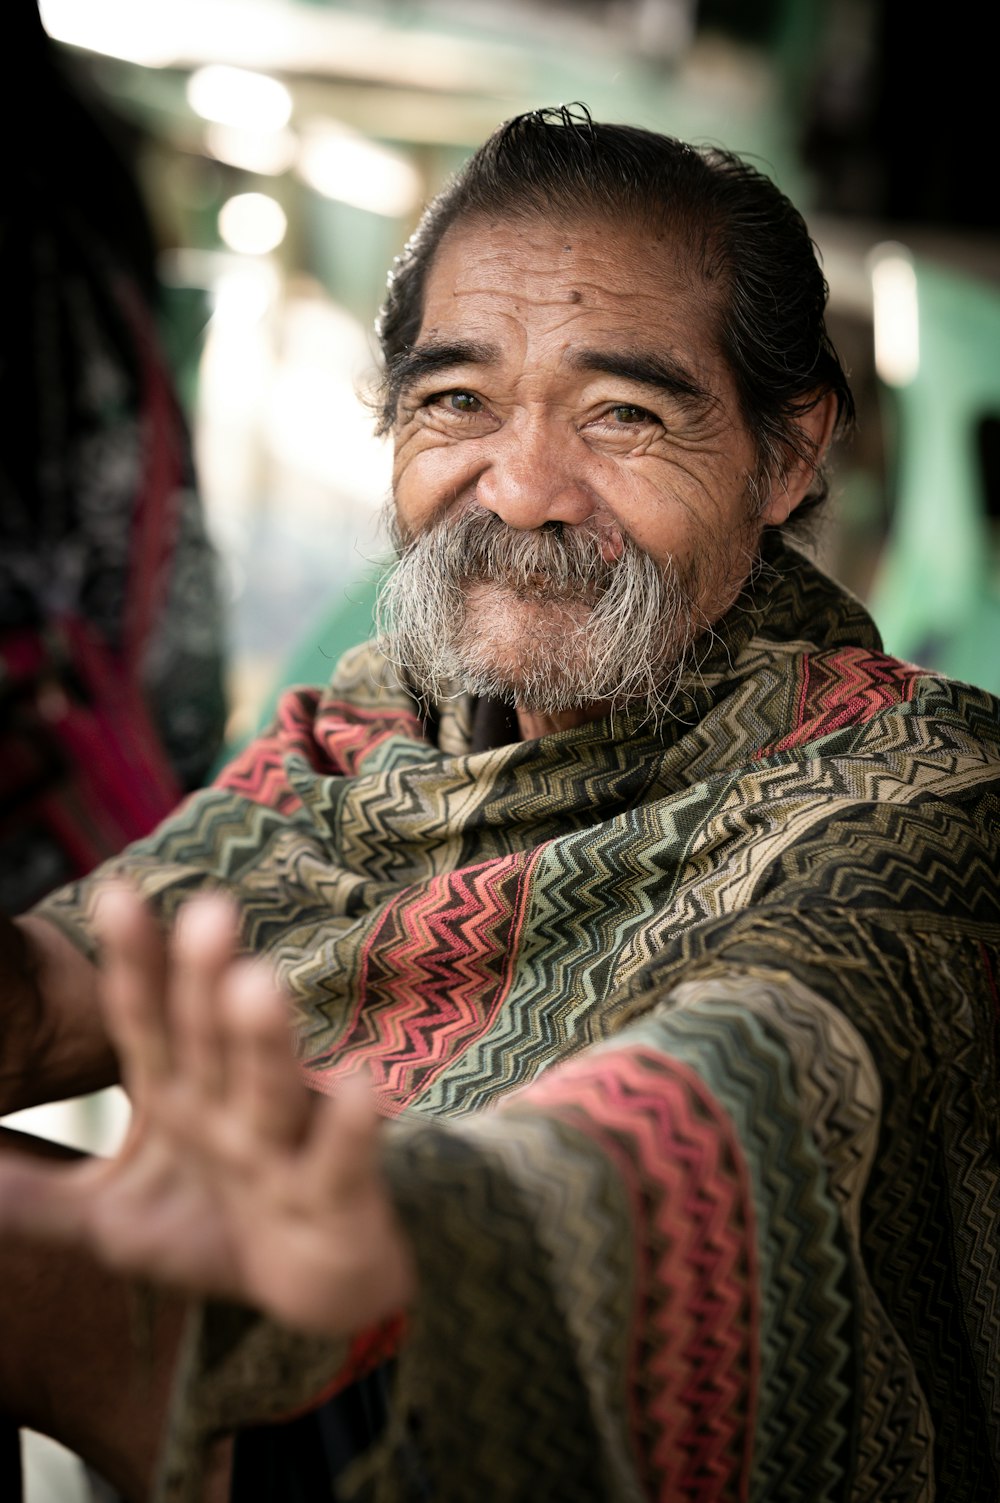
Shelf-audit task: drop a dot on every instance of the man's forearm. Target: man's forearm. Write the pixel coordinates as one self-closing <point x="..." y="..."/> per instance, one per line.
<point x="52" y="1039"/>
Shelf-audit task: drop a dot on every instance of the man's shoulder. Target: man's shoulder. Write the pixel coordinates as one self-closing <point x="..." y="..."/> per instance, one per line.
<point x="818" y="644"/>
<point x="844" y="687"/>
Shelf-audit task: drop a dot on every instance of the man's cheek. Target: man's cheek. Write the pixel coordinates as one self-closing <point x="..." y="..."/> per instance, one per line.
<point x="428" y="478"/>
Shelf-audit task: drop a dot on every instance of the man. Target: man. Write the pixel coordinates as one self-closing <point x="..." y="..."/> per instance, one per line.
<point x="655" y="903"/>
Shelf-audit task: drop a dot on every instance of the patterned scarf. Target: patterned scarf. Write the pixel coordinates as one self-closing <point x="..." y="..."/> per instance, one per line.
<point x="691" y="1033"/>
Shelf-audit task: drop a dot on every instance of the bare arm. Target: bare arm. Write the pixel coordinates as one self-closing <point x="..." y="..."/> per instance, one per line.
<point x="53" y="1042"/>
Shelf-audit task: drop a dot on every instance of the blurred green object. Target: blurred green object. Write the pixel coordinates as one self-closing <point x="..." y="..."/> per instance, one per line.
<point x="184" y="314"/>
<point x="345" y="621"/>
<point x="936" y="594"/>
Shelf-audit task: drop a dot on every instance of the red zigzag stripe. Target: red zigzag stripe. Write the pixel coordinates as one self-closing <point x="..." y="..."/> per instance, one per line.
<point x="435" y="973"/>
<point x="843" y="688"/>
<point x="694" y="1378"/>
<point x="332" y="738"/>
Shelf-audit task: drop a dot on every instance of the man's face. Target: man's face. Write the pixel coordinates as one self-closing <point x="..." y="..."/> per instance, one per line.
<point x="567" y="373"/>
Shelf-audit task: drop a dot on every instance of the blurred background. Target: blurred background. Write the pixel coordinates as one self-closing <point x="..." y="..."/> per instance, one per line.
<point x="283" y="150"/>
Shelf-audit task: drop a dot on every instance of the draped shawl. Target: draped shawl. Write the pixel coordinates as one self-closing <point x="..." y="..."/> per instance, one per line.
<point x="690" y="1036"/>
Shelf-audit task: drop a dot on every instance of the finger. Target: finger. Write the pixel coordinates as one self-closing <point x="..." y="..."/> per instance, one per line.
<point x="133" y="978"/>
<point x="202" y="949"/>
<point x="266" y="1093"/>
<point x="343" y="1137"/>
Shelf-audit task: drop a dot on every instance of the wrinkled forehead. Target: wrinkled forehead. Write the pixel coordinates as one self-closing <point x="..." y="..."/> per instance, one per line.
<point x="573" y="258"/>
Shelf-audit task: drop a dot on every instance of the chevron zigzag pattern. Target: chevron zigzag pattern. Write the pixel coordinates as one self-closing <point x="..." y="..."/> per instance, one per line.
<point x="690" y="1037"/>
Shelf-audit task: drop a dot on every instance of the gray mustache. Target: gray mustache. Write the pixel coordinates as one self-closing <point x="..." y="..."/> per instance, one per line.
<point x="554" y="560"/>
<point x="621" y="630"/>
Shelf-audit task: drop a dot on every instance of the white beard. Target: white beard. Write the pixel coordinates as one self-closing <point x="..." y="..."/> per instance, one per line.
<point x="539" y="619"/>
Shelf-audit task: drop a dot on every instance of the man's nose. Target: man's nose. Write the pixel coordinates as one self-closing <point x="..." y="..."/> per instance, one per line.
<point x="534" y="475"/>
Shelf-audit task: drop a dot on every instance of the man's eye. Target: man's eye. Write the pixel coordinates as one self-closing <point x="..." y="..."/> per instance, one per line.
<point x="461" y="402"/>
<point x="631" y="415"/>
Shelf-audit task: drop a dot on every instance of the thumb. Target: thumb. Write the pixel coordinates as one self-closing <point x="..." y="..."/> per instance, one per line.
<point x="344" y="1134"/>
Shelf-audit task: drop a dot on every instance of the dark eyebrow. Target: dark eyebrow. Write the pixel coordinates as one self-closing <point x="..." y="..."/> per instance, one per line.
<point x="423" y="360"/>
<point x="661" y="372"/>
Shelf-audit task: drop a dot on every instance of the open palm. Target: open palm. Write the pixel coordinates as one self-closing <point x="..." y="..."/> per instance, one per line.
<point x="233" y="1180"/>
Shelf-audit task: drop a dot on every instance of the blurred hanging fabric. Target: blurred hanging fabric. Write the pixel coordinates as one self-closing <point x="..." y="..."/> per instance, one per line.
<point x="111" y="642"/>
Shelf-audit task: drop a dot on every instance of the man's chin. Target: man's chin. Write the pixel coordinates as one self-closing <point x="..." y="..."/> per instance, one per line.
<point x="503" y="613"/>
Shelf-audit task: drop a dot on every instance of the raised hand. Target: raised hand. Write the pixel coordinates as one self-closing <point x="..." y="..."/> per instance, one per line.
<point x="234" y="1180"/>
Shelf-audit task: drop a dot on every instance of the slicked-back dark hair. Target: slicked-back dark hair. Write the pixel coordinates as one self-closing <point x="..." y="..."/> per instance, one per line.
<point x="750" y="244"/>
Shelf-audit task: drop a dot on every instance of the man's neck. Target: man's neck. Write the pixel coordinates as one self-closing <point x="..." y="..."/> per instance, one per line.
<point x="532" y="725"/>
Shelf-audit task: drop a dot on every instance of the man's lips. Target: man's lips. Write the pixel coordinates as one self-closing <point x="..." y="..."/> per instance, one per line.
<point x="537" y="588"/>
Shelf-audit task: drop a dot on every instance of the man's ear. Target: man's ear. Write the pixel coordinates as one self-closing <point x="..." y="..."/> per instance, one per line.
<point x="790" y="488"/>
